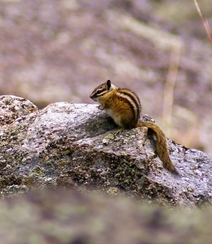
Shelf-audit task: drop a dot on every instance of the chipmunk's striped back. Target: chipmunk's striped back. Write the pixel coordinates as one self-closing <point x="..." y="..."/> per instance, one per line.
<point x="132" y="99"/>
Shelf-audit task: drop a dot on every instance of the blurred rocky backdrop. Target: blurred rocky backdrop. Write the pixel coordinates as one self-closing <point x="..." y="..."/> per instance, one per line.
<point x="54" y="50"/>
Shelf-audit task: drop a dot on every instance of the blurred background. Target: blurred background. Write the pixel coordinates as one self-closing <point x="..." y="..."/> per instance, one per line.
<point x="54" y="51"/>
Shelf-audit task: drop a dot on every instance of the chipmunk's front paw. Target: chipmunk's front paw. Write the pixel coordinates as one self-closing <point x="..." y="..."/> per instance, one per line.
<point x="100" y="107"/>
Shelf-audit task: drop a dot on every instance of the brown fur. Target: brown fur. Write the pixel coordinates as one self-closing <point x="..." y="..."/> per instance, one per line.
<point x="161" y="145"/>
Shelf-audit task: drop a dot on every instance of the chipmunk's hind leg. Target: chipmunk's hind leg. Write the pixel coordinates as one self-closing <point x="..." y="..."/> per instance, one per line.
<point x="128" y="121"/>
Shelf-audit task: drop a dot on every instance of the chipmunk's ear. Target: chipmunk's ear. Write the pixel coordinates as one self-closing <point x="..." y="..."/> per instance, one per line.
<point x="108" y="84"/>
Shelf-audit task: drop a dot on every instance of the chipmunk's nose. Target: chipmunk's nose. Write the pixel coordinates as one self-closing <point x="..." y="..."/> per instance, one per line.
<point x="92" y="96"/>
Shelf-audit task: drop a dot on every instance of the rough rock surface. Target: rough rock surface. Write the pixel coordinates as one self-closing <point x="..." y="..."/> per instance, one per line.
<point x="75" y="145"/>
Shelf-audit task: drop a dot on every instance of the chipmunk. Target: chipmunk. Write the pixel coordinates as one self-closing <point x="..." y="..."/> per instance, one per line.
<point x="124" y="107"/>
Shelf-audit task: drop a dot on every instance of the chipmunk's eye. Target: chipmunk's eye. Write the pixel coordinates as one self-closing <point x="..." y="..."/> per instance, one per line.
<point x="99" y="92"/>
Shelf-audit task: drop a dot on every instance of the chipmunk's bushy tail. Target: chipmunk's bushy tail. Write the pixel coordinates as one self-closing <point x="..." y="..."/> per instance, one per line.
<point x="161" y="145"/>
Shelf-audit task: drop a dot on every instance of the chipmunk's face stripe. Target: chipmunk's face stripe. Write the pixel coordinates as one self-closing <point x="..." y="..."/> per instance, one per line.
<point x="102" y="89"/>
<point x="97" y="92"/>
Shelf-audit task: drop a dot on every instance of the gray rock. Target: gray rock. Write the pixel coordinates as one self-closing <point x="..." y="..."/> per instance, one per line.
<point x="76" y="145"/>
